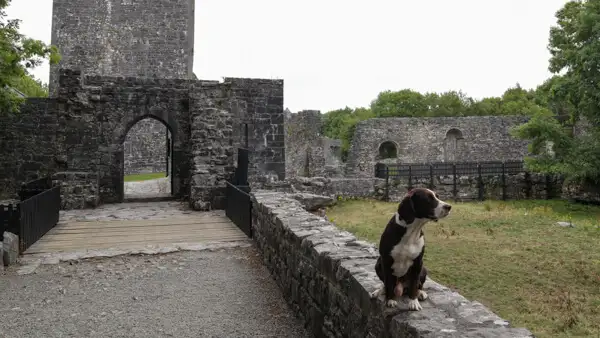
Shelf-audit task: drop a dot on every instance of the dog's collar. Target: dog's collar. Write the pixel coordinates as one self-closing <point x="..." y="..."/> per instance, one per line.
<point x="398" y="220"/>
<point x="402" y="223"/>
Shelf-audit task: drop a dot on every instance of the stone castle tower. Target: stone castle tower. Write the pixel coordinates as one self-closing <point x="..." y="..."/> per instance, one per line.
<point x="139" y="38"/>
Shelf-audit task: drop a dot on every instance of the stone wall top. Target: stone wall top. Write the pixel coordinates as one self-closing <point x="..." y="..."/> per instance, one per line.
<point x="327" y="274"/>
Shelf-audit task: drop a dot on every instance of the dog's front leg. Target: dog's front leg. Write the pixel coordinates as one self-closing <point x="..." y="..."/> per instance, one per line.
<point x="390" y="281"/>
<point x="414" y="292"/>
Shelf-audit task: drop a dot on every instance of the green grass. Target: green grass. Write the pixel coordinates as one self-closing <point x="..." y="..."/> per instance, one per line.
<point x="143" y="177"/>
<point x="510" y="256"/>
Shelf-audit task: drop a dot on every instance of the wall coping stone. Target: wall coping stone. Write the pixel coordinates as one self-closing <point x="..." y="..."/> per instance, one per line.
<point x="348" y="264"/>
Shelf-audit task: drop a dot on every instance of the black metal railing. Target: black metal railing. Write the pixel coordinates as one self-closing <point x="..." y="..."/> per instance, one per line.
<point x="39" y="214"/>
<point x="239" y="207"/>
<point x="240" y="177"/>
<point x="34" y="187"/>
<point x="9" y="218"/>
<point x="34" y="215"/>
<point x="237" y="195"/>
<point x="477" y="170"/>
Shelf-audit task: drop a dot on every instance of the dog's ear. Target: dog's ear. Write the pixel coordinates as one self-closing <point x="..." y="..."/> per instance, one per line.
<point x="406" y="209"/>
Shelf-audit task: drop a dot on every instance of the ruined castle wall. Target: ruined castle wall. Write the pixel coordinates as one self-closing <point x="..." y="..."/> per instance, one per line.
<point x="308" y="152"/>
<point x="82" y="133"/>
<point x="304" y="144"/>
<point x="28" y="143"/>
<point x="435" y="139"/>
<point x="146" y="148"/>
<point x="138" y="38"/>
<point x="258" y="105"/>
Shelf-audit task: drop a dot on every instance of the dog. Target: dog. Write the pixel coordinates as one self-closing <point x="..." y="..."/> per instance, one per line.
<point x="402" y="245"/>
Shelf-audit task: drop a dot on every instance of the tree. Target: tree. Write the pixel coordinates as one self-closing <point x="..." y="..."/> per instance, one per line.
<point x="18" y="54"/>
<point x="341" y="124"/>
<point x="29" y="86"/>
<point x="574" y="46"/>
<point x="406" y="102"/>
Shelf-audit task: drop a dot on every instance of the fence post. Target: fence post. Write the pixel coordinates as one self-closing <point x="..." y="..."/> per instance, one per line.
<point x="431" y="184"/>
<point x="454" y="188"/>
<point x="479" y="182"/>
<point x="548" y="188"/>
<point x="503" y="181"/>
<point x="387" y="183"/>
<point x="409" y="177"/>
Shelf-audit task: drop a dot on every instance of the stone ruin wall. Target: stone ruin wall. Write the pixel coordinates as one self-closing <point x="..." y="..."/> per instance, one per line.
<point x="435" y="139"/>
<point x="308" y="152"/>
<point x="79" y="135"/>
<point x="146" y="148"/>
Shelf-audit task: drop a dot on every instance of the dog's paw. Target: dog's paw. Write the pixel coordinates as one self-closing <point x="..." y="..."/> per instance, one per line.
<point x="422" y="295"/>
<point x="414" y="305"/>
<point x="391" y="303"/>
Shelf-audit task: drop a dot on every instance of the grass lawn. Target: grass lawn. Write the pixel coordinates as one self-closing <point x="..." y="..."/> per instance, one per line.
<point x="510" y="256"/>
<point x="143" y="177"/>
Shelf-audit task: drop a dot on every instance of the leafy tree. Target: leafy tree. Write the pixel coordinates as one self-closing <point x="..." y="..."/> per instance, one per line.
<point x="574" y="45"/>
<point x="18" y="54"/>
<point x="341" y="124"/>
<point x="406" y="102"/>
<point x="29" y="86"/>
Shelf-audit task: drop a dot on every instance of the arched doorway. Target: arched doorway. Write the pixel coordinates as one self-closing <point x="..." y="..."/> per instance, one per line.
<point x="387" y="150"/>
<point x="147" y="168"/>
<point x="453" y="145"/>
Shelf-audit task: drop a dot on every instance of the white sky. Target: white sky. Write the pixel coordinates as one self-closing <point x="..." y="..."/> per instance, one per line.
<point x="337" y="53"/>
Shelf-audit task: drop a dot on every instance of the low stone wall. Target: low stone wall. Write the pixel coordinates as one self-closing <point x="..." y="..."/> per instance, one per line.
<point x="519" y="186"/>
<point x="79" y="190"/>
<point x="331" y="187"/>
<point x="326" y="276"/>
<point x="583" y="193"/>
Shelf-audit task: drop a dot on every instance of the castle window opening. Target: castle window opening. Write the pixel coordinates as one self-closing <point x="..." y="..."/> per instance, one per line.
<point x="387" y="150"/>
<point x="453" y="144"/>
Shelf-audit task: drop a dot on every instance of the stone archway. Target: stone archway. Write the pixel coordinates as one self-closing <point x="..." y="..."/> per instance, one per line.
<point x="117" y="172"/>
<point x="147" y="160"/>
<point x="453" y="145"/>
<point x="387" y="150"/>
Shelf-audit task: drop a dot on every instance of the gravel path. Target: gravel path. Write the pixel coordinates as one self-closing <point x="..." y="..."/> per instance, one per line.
<point x="226" y="293"/>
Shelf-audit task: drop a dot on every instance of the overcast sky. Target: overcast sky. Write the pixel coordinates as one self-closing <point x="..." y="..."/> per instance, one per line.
<point x="336" y="53"/>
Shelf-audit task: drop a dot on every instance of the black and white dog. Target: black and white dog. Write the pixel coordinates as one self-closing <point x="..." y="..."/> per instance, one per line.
<point x="402" y="245"/>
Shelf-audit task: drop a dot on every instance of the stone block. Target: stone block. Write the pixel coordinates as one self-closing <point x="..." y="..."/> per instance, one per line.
<point x="2" y="256"/>
<point x="10" y="247"/>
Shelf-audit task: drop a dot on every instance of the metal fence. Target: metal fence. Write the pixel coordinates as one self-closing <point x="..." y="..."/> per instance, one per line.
<point x="34" y="215"/>
<point x="479" y="170"/>
<point x="38" y="215"/>
<point x="237" y="195"/>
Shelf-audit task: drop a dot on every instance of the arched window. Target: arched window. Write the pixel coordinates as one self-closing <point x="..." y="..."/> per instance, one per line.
<point x="388" y="149"/>
<point x="453" y="144"/>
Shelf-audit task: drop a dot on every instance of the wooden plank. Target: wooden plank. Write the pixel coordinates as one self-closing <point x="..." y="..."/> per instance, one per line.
<point x="140" y="240"/>
<point x="140" y="232"/>
<point x="37" y="249"/>
<point x="145" y="222"/>
<point x="133" y="229"/>
<point x="206" y="225"/>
